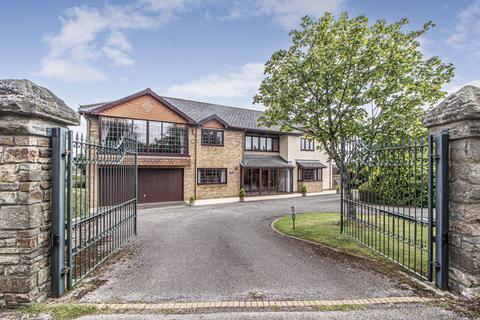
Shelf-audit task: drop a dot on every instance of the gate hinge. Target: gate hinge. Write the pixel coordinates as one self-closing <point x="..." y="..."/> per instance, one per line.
<point x="436" y="265"/>
<point x="55" y="240"/>
<point x="65" y="270"/>
<point x="66" y="153"/>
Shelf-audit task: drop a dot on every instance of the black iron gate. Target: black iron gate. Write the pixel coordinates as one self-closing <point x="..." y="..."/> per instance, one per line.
<point x="94" y="204"/>
<point x="394" y="199"/>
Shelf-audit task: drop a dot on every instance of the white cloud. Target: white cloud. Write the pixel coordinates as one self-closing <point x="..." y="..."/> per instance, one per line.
<point x="466" y="35"/>
<point x="286" y="13"/>
<point x="89" y="34"/>
<point x="239" y="83"/>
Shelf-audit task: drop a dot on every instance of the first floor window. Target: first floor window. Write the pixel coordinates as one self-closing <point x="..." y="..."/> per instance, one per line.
<point x="212" y="137"/>
<point x="257" y="143"/>
<point x="306" y="144"/>
<point x="212" y="176"/>
<point x="310" y="174"/>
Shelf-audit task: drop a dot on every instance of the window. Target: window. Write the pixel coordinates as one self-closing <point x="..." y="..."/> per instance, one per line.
<point x="310" y="174"/>
<point x="306" y="144"/>
<point x="211" y="137"/>
<point x="140" y="129"/>
<point x="152" y="136"/>
<point x="167" y="138"/>
<point x="256" y="143"/>
<point x="212" y="176"/>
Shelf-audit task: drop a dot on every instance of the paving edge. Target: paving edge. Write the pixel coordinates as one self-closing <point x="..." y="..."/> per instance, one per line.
<point x="175" y="306"/>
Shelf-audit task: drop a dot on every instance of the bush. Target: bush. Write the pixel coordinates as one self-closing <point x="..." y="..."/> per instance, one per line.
<point x="303" y="189"/>
<point x="241" y="194"/>
<point x="192" y="198"/>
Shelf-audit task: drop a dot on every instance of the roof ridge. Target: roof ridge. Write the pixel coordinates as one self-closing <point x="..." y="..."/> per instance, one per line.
<point x="214" y="104"/>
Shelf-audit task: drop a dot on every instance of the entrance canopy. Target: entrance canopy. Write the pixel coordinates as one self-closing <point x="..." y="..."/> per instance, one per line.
<point x="310" y="164"/>
<point x="265" y="162"/>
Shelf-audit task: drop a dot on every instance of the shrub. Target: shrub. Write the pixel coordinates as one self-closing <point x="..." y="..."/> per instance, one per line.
<point x="303" y="189"/>
<point x="242" y="193"/>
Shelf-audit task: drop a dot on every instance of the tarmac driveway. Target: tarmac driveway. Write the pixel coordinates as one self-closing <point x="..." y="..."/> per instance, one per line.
<point x="228" y="252"/>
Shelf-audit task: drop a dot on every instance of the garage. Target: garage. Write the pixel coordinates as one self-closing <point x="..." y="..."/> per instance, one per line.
<point x="160" y="185"/>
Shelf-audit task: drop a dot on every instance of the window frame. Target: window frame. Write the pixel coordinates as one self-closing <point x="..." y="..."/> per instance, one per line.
<point x="205" y="175"/>
<point x="303" y="144"/>
<point x="258" y="139"/>
<point x="209" y="132"/>
<point x="148" y="151"/>
<point x="317" y="174"/>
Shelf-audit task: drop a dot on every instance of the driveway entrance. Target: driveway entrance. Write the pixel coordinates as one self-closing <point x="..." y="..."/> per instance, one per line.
<point x="229" y="252"/>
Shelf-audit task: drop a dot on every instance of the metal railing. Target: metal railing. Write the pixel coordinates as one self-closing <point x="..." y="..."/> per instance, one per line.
<point x="95" y="202"/>
<point x="390" y="201"/>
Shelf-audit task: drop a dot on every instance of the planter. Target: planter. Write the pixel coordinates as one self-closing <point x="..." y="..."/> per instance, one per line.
<point x="191" y="203"/>
<point x="242" y="199"/>
<point x="304" y="194"/>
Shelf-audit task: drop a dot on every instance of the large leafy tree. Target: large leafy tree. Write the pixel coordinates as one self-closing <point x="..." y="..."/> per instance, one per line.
<point x="345" y="79"/>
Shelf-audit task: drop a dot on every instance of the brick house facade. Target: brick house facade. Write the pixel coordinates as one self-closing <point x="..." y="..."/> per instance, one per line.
<point x="189" y="148"/>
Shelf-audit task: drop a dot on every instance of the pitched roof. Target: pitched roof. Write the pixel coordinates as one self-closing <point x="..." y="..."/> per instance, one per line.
<point x="196" y="111"/>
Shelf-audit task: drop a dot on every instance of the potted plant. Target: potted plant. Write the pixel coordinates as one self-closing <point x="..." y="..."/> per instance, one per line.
<point x="338" y="188"/>
<point x="304" y="190"/>
<point x="242" y="194"/>
<point x="191" y="202"/>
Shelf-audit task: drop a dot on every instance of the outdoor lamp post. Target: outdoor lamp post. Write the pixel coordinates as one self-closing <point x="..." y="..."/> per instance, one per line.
<point x="294" y="215"/>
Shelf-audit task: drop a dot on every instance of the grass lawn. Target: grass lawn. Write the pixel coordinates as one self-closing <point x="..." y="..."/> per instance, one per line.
<point x="324" y="228"/>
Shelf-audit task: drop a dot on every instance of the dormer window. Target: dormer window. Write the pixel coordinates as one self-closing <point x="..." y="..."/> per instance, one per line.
<point x="212" y="137"/>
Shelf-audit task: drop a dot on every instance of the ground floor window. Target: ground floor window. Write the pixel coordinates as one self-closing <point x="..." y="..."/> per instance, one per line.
<point x="212" y="176"/>
<point x="310" y="174"/>
<point x="267" y="180"/>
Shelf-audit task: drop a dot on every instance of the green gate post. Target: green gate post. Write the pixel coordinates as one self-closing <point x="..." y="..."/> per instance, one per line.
<point x="58" y="211"/>
<point x="441" y="223"/>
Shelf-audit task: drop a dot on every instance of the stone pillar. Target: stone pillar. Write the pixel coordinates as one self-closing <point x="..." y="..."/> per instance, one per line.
<point x="460" y="114"/>
<point x="26" y="111"/>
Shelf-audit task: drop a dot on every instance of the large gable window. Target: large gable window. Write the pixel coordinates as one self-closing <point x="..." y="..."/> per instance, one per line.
<point x="153" y="137"/>
<point x="212" y="137"/>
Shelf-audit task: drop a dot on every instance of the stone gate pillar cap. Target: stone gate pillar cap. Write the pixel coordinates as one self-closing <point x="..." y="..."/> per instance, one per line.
<point x="24" y="97"/>
<point x="459" y="106"/>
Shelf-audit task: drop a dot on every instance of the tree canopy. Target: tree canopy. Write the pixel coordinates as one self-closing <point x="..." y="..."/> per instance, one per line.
<point x="345" y="79"/>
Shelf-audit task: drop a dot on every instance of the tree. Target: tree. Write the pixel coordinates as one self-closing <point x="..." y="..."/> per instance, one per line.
<point x="344" y="79"/>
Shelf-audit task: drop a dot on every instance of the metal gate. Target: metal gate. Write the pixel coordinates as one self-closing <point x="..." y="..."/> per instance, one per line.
<point x="94" y="204"/>
<point x="394" y="199"/>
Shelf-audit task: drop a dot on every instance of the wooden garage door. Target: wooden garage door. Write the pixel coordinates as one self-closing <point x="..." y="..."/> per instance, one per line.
<point x="160" y="185"/>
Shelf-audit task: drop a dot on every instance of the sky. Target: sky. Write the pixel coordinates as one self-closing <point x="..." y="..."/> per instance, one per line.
<point x="207" y="50"/>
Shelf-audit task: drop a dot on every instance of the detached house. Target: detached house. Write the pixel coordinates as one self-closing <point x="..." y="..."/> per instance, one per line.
<point x="189" y="148"/>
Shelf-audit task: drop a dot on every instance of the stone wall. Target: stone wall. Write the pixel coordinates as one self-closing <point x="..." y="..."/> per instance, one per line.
<point x="312" y="186"/>
<point x="26" y="112"/>
<point x="460" y="114"/>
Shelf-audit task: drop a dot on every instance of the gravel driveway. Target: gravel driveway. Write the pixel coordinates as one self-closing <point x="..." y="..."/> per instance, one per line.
<point x="229" y="251"/>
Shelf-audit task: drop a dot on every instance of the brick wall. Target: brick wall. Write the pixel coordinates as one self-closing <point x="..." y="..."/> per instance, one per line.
<point x="144" y="107"/>
<point x="229" y="157"/>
